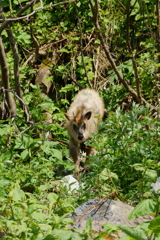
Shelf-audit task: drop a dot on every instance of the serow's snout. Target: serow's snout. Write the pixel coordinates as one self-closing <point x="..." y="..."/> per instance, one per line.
<point x="80" y="136"/>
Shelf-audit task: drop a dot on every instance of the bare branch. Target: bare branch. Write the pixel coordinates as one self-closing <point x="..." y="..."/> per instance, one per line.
<point x="22" y="101"/>
<point x="73" y="80"/>
<point x="16" y="62"/>
<point x="5" y="80"/>
<point x="96" y="66"/>
<point x="121" y="4"/>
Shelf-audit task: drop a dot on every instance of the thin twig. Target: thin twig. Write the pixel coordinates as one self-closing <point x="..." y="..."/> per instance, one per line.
<point x="91" y="40"/>
<point x="73" y="79"/>
<point x="96" y="67"/>
<point x="21" y="100"/>
<point x="121" y="4"/>
<point x="5" y="80"/>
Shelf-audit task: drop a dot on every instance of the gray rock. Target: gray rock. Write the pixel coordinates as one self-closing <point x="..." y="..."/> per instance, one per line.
<point x="107" y="211"/>
<point x="156" y="186"/>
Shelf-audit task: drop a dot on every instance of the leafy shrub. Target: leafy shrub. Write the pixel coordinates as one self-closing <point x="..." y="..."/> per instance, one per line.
<point x="127" y="158"/>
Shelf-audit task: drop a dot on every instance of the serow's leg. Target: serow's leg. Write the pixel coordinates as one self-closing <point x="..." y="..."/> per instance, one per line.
<point x="74" y="152"/>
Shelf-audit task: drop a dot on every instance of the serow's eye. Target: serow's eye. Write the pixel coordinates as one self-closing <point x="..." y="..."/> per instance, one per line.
<point x="84" y="126"/>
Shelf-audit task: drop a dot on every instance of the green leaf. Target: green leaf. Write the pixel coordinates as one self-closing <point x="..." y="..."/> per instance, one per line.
<point x="135" y="232"/>
<point x="18" y="212"/>
<point x="68" y="87"/>
<point x="88" y="227"/>
<point x="45" y="227"/>
<point x="111" y="228"/>
<point x="155" y="224"/>
<point x="23" y="37"/>
<point x="17" y="194"/>
<point x="145" y="207"/>
<point x="48" y="79"/>
<point x="97" y="41"/>
<point x="23" y="142"/>
<point x="49" y="237"/>
<point x="63" y="235"/>
<point x="106" y="174"/>
<point x="90" y="75"/>
<point x="57" y="154"/>
<point x="40" y="217"/>
<point x="78" y="4"/>
<point x="44" y="187"/>
<point x="6" y="156"/>
<point x="52" y="197"/>
<point x="25" y="154"/>
<point x="152" y="174"/>
<point x="16" y="228"/>
<point x="2" y="132"/>
<point x="34" y="207"/>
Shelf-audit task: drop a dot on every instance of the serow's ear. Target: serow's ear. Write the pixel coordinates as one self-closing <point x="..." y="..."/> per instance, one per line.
<point x="67" y="116"/>
<point x="87" y="116"/>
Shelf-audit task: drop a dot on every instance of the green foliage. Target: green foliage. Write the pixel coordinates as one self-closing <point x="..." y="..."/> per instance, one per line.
<point x="143" y="208"/>
<point x="29" y="218"/>
<point x="127" y="145"/>
<point x="32" y="160"/>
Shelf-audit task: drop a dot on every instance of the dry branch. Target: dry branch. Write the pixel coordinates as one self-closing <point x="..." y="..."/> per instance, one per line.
<point x="9" y="91"/>
<point x="73" y="79"/>
<point x="5" y="81"/>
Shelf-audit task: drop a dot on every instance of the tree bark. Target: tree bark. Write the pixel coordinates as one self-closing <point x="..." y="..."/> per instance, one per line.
<point x="5" y="81"/>
<point x="16" y="62"/>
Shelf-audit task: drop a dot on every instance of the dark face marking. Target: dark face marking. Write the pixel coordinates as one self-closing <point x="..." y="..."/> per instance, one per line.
<point x="79" y="122"/>
<point x="79" y="130"/>
<point x="75" y="127"/>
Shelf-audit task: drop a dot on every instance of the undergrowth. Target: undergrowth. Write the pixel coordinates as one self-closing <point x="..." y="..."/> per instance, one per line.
<point x="33" y="203"/>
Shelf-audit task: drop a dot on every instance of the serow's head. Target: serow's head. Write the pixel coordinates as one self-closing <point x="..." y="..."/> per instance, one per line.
<point x="79" y="125"/>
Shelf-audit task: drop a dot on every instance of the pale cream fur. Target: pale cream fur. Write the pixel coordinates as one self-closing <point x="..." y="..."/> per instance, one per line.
<point x="87" y="110"/>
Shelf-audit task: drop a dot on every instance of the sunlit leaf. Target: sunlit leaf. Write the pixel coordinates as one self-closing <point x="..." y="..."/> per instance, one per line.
<point x="143" y="208"/>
